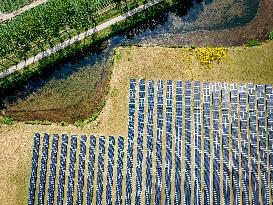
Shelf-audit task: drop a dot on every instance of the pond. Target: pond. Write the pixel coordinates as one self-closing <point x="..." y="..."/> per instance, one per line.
<point x="76" y="89"/>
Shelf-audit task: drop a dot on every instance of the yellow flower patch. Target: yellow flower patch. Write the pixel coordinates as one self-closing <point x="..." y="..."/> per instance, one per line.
<point x="207" y="55"/>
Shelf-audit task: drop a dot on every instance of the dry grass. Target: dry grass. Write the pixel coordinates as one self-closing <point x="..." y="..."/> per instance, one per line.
<point x="243" y="65"/>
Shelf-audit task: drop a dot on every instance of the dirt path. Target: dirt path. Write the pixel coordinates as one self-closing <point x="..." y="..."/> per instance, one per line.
<point x="77" y="38"/>
<point x="5" y="17"/>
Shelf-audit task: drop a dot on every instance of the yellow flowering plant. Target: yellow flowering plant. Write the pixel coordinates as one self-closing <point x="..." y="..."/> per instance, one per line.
<point x="207" y="55"/>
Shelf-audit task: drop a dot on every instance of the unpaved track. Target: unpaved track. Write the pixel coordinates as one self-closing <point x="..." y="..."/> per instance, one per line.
<point x="9" y="16"/>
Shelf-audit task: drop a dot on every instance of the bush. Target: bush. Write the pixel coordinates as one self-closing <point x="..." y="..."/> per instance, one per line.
<point x="254" y="42"/>
<point x="270" y="35"/>
<point x="79" y="123"/>
<point x="207" y="55"/>
<point x="7" y="121"/>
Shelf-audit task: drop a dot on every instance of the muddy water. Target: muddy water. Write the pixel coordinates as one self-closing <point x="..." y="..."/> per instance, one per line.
<point x="75" y="90"/>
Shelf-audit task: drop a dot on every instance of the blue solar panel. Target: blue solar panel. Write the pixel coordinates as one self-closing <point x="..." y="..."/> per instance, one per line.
<point x="187" y="184"/>
<point x="43" y="170"/>
<point x="244" y="142"/>
<point x="235" y="144"/>
<point x="119" y="171"/>
<point x="100" y="170"/>
<point x="90" y="177"/>
<point x="168" y="162"/>
<point x="225" y="144"/>
<point x="52" y="175"/>
<point x="253" y="143"/>
<point x="216" y="143"/>
<point x="269" y="106"/>
<point x="71" y="176"/>
<point x="159" y="133"/>
<point x="131" y="120"/>
<point x="178" y="142"/>
<point x="149" y="158"/>
<point x="206" y="113"/>
<point x="60" y="196"/>
<point x="33" y="176"/>
<point x="82" y="154"/>
<point x="109" y="186"/>
<point x="197" y="141"/>
<point x="263" y="149"/>
<point x="140" y="133"/>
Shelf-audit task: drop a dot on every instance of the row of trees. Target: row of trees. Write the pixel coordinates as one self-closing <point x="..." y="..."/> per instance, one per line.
<point x="49" y="24"/>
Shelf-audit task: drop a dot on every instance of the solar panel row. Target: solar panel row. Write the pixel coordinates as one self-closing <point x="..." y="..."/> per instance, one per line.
<point x="140" y="134"/>
<point x="187" y="183"/>
<point x="197" y="142"/>
<point x="225" y="143"/>
<point x="244" y="142"/>
<point x="149" y="158"/>
<point x="178" y="142"/>
<point x="253" y="143"/>
<point x="131" y="121"/>
<point x="159" y="134"/>
<point x="235" y="144"/>
<point x="216" y="143"/>
<point x="206" y="121"/>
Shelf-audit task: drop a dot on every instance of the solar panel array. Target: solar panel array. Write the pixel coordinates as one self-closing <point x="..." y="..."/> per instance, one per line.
<point x="209" y="140"/>
<point x="188" y="143"/>
<point x="85" y="162"/>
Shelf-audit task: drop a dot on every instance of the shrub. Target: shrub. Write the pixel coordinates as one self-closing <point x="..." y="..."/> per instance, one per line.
<point x="270" y="35"/>
<point x="207" y="55"/>
<point x="7" y="121"/>
<point x="254" y="42"/>
<point x="79" y="123"/>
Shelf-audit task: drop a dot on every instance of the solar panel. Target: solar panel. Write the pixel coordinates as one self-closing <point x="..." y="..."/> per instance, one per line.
<point x="168" y="162"/>
<point x="262" y="136"/>
<point x="197" y="141"/>
<point x="149" y="174"/>
<point x="71" y="175"/>
<point x="60" y="196"/>
<point x="244" y="143"/>
<point x="52" y="174"/>
<point x="187" y="186"/>
<point x="110" y="168"/>
<point x="43" y="170"/>
<point x="158" y="182"/>
<point x="131" y="121"/>
<point x="90" y="177"/>
<point x="33" y="177"/>
<point x="100" y="170"/>
<point x="138" y="192"/>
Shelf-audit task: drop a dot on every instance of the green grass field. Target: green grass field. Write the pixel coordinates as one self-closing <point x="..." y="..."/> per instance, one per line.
<point x="8" y="6"/>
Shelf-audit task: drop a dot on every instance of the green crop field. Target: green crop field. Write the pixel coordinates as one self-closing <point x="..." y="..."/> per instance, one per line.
<point x="8" y="6"/>
<point x="51" y="23"/>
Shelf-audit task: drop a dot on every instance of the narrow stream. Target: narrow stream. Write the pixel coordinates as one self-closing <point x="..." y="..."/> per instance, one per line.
<point x="74" y="90"/>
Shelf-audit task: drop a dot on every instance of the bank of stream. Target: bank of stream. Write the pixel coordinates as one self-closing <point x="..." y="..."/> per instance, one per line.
<point x="77" y="89"/>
